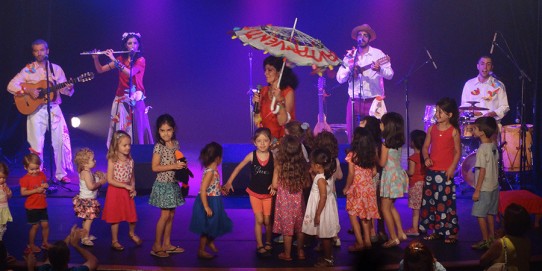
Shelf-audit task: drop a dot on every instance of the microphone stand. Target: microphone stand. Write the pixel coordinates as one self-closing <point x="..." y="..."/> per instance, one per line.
<point x="523" y="127"/>
<point x="132" y="103"/>
<point x="53" y="184"/>
<point x="250" y="95"/>
<point x="404" y="80"/>
<point x="353" y="98"/>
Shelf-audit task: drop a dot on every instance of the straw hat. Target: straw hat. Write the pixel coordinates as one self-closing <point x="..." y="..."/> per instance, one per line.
<point x="366" y="28"/>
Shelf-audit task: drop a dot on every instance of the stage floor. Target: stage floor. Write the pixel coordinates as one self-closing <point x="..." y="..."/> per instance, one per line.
<point x="237" y="249"/>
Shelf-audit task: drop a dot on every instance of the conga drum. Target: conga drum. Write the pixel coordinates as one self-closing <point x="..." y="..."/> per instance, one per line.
<point x="512" y="149"/>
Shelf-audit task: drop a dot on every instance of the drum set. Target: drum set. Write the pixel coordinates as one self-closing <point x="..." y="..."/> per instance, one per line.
<point x="508" y="140"/>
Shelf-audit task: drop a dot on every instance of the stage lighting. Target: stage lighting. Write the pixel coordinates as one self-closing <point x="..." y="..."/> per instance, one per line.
<point x="75" y="122"/>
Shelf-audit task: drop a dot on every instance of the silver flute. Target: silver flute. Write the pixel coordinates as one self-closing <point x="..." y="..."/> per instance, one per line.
<point x="87" y="53"/>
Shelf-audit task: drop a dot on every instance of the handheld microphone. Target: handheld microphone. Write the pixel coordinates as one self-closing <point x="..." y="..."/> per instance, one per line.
<point x="493" y="43"/>
<point x="431" y="58"/>
<point x="256" y="109"/>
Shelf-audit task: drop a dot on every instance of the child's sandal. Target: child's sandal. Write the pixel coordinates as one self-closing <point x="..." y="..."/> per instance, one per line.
<point x="433" y="236"/>
<point x="117" y="246"/>
<point x="136" y="239"/>
<point x="450" y="240"/>
<point x="268" y="246"/>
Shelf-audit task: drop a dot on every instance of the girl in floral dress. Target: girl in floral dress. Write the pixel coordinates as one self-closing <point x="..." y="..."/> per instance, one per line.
<point x="394" y="180"/>
<point x="289" y="179"/>
<point x="209" y="219"/>
<point x="119" y="201"/>
<point x="85" y="204"/>
<point x="166" y="193"/>
<point x="360" y="190"/>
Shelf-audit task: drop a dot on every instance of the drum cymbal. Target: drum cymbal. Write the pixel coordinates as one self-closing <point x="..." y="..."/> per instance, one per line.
<point x="472" y="108"/>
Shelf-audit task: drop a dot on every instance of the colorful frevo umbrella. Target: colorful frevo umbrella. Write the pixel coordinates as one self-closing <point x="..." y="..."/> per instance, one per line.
<point x="293" y="45"/>
<point x="290" y="43"/>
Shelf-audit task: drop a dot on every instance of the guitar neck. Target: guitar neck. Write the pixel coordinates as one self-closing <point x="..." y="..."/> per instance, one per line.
<point x="62" y="85"/>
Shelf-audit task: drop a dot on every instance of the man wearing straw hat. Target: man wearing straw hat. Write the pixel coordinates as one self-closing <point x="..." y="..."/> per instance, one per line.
<point x="365" y="83"/>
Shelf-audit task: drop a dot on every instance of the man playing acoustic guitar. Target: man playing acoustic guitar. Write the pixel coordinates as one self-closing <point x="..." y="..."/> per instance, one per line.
<point x="370" y="68"/>
<point x="37" y="121"/>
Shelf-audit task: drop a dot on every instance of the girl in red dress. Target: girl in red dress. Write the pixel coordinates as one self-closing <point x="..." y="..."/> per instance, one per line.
<point x="119" y="200"/>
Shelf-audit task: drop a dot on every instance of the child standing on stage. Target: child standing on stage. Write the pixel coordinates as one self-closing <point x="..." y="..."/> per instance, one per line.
<point x="486" y="193"/>
<point x="262" y="166"/>
<point x="34" y="186"/>
<point x="372" y="124"/>
<point x="327" y="140"/>
<point x="119" y="200"/>
<point x="289" y="179"/>
<point x="5" y="214"/>
<point x="166" y="193"/>
<point x="394" y="179"/>
<point x="438" y="211"/>
<point x="209" y="219"/>
<point x="322" y="216"/>
<point x="416" y="173"/>
<point x="85" y="204"/>
<point x="360" y="190"/>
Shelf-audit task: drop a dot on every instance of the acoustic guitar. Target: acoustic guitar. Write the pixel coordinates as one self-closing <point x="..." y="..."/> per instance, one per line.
<point x="322" y="124"/>
<point x="27" y="105"/>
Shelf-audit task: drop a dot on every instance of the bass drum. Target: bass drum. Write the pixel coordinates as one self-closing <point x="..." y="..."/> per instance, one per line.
<point x="467" y="169"/>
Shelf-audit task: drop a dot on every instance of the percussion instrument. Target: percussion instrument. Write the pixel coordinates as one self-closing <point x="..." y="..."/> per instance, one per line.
<point x="472" y="108"/>
<point x="429" y="117"/>
<point x="511" y="151"/>
<point x="467" y="169"/>
<point x="467" y="128"/>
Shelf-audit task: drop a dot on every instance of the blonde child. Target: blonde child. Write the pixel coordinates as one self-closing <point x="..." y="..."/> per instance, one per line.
<point x="166" y="192"/>
<point x="85" y="204"/>
<point x="416" y="174"/>
<point x="119" y="201"/>
<point x="394" y="179"/>
<point x="322" y="217"/>
<point x="360" y="190"/>
<point x="289" y="179"/>
<point x="34" y="186"/>
<point x="5" y="214"/>
<point x="262" y="166"/>
<point x="209" y="219"/>
<point x="438" y="212"/>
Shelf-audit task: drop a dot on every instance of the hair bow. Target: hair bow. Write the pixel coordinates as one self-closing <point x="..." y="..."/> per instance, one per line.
<point x="305" y="126"/>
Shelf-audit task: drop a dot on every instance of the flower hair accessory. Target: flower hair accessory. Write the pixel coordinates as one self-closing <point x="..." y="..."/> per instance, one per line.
<point x="130" y="33"/>
<point x="305" y="126"/>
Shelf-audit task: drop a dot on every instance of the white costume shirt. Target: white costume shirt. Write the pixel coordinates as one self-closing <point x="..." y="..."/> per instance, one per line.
<point x="372" y="82"/>
<point x="490" y="94"/>
<point x="33" y="73"/>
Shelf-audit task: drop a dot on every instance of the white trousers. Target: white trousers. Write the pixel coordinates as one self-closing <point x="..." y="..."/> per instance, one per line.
<point x="37" y="125"/>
